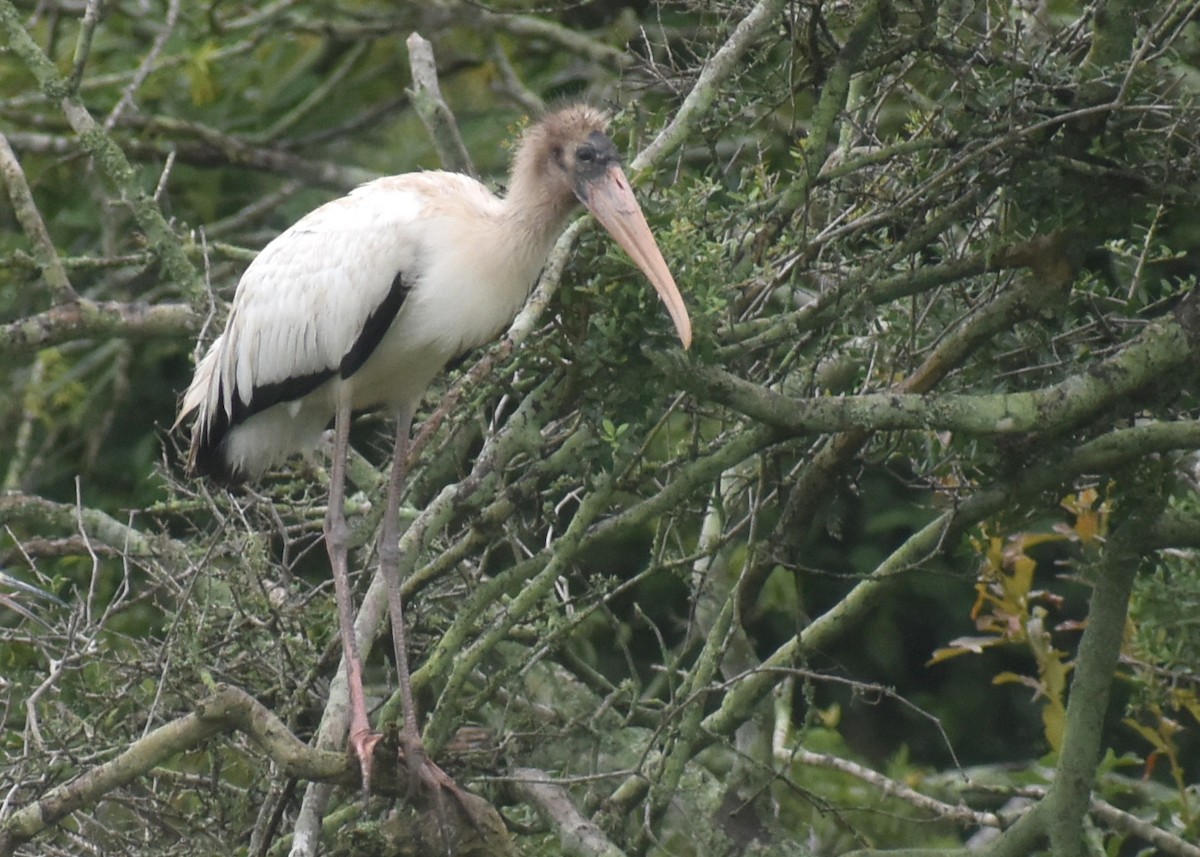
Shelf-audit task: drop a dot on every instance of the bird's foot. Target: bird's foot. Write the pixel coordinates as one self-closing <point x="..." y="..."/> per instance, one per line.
<point x="429" y="786"/>
<point x="425" y="778"/>
<point x="362" y="744"/>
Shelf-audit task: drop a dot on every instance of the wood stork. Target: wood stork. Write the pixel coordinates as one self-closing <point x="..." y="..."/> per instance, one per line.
<point x="364" y="300"/>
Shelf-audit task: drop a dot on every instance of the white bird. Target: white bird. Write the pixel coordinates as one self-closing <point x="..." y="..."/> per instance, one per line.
<point x="364" y="300"/>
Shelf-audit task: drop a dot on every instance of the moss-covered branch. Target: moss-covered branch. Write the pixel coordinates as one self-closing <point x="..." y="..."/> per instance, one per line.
<point x="227" y="710"/>
<point x="1092" y="677"/>
<point x="230" y="710"/>
<point x="48" y="516"/>
<point x="443" y="719"/>
<point x="53" y="272"/>
<point x="87" y="319"/>
<point x="1158" y="351"/>
<point x="107" y="154"/>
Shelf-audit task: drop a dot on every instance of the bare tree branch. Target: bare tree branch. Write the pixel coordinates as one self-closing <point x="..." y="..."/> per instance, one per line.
<point x="433" y="109"/>
<point x="576" y="834"/>
<point x="53" y="272"/>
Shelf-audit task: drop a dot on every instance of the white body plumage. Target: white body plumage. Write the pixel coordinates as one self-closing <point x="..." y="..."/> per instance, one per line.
<point x="305" y="301"/>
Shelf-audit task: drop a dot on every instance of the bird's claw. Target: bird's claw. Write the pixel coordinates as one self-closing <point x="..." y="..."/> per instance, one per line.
<point x="363" y="743"/>
<point x="425" y="778"/>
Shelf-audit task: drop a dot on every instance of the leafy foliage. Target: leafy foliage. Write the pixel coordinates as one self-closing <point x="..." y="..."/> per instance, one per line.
<point x="941" y="263"/>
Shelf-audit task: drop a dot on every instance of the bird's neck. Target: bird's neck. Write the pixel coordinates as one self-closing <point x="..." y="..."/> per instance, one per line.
<point x="535" y="216"/>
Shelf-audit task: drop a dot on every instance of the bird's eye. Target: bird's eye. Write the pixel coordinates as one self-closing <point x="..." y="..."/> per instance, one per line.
<point x="585" y="154"/>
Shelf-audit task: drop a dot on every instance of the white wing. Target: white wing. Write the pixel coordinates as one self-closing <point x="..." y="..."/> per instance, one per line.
<point x="304" y="301"/>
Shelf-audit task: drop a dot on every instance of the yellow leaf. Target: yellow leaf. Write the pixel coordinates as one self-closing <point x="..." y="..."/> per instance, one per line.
<point x="1054" y="722"/>
<point x="1018" y="584"/>
<point x="831" y="716"/>
<point x="1031" y="540"/>
<point x="993" y="558"/>
<point x="944" y="654"/>
<point x="1054" y="676"/>
<point x="1007" y="677"/>
<point x="1187" y="700"/>
<point x="963" y="646"/>
<point x="1091" y="518"/>
<point x="1150" y="735"/>
<point x="1087" y="526"/>
<point x="202" y="83"/>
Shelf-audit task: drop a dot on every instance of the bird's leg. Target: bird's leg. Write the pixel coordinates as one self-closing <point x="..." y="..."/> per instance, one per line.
<point x="337" y="542"/>
<point x="389" y="563"/>
<point x="420" y="768"/>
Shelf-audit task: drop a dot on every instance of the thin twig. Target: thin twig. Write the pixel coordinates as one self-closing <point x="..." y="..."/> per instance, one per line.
<point x="716" y="70"/>
<point x="83" y="43"/>
<point x="957" y="813"/>
<point x="146" y="66"/>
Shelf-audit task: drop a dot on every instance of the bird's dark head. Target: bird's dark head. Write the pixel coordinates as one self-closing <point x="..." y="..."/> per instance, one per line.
<point x="568" y="156"/>
<point x="565" y="151"/>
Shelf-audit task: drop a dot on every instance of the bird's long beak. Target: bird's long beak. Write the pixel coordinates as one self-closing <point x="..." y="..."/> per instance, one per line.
<point x="611" y="201"/>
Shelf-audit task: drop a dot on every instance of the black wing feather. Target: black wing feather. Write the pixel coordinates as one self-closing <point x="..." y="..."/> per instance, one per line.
<point x="207" y="457"/>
